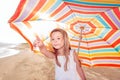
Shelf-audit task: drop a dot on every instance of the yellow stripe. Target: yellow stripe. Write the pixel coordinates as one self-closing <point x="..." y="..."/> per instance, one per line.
<point x="84" y="54"/>
<point x="43" y="9"/>
<point x="97" y="23"/>
<point x="112" y="54"/>
<point x="77" y="19"/>
<point x="47" y="5"/>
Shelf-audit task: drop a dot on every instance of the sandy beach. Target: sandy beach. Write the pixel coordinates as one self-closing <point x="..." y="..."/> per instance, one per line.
<point x="29" y="66"/>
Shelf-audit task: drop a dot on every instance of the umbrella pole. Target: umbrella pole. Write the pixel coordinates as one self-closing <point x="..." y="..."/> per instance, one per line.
<point x="80" y="38"/>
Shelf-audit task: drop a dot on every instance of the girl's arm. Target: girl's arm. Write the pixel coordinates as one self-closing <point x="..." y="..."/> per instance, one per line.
<point x="38" y="43"/>
<point x="79" y="67"/>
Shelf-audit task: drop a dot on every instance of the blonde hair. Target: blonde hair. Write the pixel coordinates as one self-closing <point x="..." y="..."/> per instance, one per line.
<point x="66" y="46"/>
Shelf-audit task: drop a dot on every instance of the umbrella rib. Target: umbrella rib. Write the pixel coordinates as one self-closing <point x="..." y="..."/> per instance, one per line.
<point x="107" y="42"/>
<point x="90" y="58"/>
<point x="71" y="11"/>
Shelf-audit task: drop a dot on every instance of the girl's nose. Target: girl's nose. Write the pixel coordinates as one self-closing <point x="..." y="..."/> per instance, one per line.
<point x="55" y="41"/>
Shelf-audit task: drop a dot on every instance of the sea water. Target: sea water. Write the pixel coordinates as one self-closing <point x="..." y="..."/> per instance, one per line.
<point x="8" y="50"/>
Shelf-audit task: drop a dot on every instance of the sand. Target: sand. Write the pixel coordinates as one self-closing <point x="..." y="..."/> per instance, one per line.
<point x="29" y="66"/>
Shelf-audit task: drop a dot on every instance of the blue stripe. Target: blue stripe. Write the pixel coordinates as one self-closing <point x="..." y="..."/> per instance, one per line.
<point x="84" y="51"/>
<point x="97" y="50"/>
<point x="71" y="16"/>
<point x="104" y="32"/>
<point x="118" y="48"/>
<point x="86" y="16"/>
<point x="102" y="21"/>
<point x="92" y="38"/>
<point x="56" y="4"/>
<point x="103" y="50"/>
<point x="92" y="3"/>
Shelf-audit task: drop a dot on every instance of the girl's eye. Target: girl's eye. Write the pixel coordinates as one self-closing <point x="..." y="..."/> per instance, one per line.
<point x="58" y="38"/>
<point x="52" y="39"/>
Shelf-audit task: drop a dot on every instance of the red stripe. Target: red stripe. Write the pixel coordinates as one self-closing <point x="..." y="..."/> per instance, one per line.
<point x="98" y="47"/>
<point x="91" y="58"/>
<point x="86" y="6"/>
<point x="84" y="64"/>
<point x="86" y="58"/>
<point x="82" y="12"/>
<point x="93" y="27"/>
<point x="73" y="25"/>
<point x="109" y="65"/>
<point x="117" y="12"/>
<point x="16" y="29"/>
<point x="98" y="40"/>
<point x="117" y="42"/>
<point x="109" y="35"/>
<point x="108" y="57"/>
<point x="113" y="26"/>
<point x="58" y="10"/>
<point x="36" y="9"/>
<point x="91" y="48"/>
<point x="64" y="16"/>
<point x="18" y="10"/>
<point x="80" y="47"/>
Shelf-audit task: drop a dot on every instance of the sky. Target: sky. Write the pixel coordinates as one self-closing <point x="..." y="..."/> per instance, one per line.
<point x="7" y="34"/>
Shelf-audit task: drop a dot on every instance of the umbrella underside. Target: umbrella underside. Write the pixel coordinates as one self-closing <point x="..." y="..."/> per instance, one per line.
<point x="96" y="25"/>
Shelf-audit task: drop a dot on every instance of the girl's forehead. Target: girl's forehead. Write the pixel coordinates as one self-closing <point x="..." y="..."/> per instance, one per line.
<point x="56" y="33"/>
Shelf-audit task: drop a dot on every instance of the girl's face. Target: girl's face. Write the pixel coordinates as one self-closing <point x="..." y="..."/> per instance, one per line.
<point x="57" y="40"/>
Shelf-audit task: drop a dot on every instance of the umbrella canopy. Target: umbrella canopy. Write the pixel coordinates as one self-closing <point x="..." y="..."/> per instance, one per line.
<point x="96" y="25"/>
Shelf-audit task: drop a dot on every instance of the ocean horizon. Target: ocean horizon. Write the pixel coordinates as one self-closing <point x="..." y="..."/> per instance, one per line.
<point x="9" y="49"/>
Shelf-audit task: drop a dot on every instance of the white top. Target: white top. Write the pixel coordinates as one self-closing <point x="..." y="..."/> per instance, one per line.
<point x="71" y="73"/>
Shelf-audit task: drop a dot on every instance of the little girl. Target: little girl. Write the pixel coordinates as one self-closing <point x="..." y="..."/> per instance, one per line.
<point x="67" y="65"/>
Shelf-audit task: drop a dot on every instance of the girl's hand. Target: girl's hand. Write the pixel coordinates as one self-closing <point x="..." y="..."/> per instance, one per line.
<point x="38" y="42"/>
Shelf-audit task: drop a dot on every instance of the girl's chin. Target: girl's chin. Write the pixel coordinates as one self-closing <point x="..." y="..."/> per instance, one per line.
<point x="58" y="48"/>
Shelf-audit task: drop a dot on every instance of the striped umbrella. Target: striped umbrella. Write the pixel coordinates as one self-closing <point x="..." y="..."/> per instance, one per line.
<point x="93" y="27"/>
